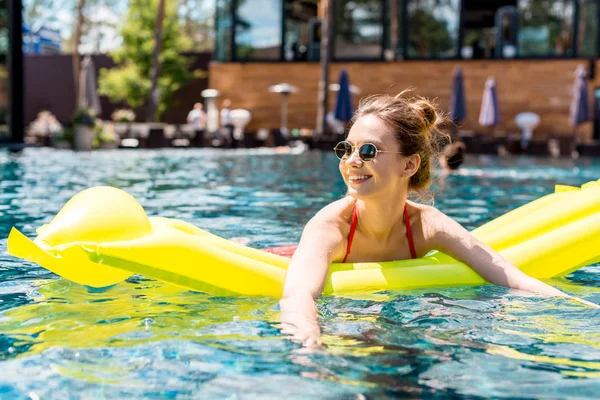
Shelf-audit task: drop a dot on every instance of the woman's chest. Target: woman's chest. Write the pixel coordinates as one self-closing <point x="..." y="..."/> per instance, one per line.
<point x="365" y="249"/>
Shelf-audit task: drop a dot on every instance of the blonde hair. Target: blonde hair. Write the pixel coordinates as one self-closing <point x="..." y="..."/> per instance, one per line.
<point x="415" y="122"/>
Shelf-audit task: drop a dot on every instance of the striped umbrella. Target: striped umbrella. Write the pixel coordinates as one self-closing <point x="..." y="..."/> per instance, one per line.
<point x="490" y="114"/>
<point x="579" y="112"/>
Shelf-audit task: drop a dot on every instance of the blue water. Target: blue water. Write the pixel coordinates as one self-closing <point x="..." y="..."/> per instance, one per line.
<point x="145" y="339"/>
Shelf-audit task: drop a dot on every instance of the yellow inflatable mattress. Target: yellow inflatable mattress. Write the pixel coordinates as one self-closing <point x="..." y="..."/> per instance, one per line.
<point x="103" y="235"/>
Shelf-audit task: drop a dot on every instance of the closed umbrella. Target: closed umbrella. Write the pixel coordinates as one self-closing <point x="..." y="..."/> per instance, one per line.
<point x="88" y="91"/>
<point x="490" y="114"/>
<point x="458" y="108"/>
<point x="579" y="111"/>
<point x="343" y="103"/>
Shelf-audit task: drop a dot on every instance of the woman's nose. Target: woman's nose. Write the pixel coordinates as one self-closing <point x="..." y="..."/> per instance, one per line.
<point x="354" y="158"/>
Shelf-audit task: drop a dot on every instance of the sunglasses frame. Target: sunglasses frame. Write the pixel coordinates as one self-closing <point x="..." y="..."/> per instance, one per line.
<point x="354" y="148"/>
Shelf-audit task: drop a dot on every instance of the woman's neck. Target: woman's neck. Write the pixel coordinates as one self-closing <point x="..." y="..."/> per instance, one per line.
<point x="379" y="217"/>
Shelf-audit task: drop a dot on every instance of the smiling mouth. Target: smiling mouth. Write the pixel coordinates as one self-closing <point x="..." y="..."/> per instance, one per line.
<point x="358" y="178"/>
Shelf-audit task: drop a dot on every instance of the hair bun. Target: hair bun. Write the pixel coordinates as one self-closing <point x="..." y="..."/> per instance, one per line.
<point x="426" y="111"/>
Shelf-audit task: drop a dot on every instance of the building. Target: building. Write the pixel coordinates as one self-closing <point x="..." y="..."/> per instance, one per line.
<point x="11" y="74"/>
<point x="40" y="40"/>
<point x="16" y="39"/>
<point x="531" y="47"/>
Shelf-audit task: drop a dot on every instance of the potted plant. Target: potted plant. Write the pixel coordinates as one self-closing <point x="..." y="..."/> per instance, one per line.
<point x="123" y="118"/>
<point x="43" y="129"/>
<point x="105" y="135"/>
<point x="83" y="129"/>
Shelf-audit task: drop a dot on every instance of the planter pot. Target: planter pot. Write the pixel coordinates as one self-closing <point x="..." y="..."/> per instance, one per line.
<point x="122" y="129"/>
<point x="108" y="145"/>
<point x="83" y="137"/>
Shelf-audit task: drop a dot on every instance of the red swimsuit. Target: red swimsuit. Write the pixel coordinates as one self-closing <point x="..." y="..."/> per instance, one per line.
<point x="288" y="251"/>
<point x="411" y="244"/>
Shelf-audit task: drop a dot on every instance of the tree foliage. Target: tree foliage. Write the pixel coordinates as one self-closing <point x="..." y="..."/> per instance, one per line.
<point x="429" y="33"/>
<point x="44" y="12"/>
<point x="130" y="81"/>
<point x="545" y="27"/>
<point x="198" y="23"/>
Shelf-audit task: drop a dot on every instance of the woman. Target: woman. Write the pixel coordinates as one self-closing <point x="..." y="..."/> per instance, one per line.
<point x="388" y="153"/>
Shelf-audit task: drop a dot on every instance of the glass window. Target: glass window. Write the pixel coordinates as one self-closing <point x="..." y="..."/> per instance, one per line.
<point x="3" y="71"/>
<point x="258" y="30"/>
<point x="396" y="18"/>
<point x="489" y="29"/>
<point x="433" y="27"/>
<point x="3" y="102"/>
<point x="3" y="28"/>
<point x="358" y="29"/>
<point x="223" y="22"/>
<point x="300" y="43"/>
<point x="587" y="37"/>
<point x="545" y="28"/>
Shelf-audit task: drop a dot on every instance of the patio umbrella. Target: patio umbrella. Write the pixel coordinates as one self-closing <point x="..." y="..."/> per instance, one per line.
<point x="490" y="114"/>
<point x="579" y="112"/>
<point x="343" y="103"/>
<point x="88" y="91"/>
<point x="458" y="109"/>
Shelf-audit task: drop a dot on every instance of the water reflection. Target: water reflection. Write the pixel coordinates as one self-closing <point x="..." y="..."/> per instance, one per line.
<point x="141" y="338"/>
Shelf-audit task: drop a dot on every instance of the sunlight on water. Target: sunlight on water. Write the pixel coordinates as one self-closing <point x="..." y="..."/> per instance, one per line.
<point x="143" y="338"/>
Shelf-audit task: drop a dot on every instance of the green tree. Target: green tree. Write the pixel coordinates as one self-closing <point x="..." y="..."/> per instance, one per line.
<point x="430" y="35"/>
<point x="131" y="80"/>
<point x="546" y="18"/>
<point x="352" y="16"/>
<point x="45" y="11"/>
<point x="198" y="23"/>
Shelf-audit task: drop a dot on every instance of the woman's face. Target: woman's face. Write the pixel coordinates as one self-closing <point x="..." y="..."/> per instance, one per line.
<point x="382" y="174"/>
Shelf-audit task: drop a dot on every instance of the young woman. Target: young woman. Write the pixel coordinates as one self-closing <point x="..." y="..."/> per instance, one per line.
<point x="388" y="153"/>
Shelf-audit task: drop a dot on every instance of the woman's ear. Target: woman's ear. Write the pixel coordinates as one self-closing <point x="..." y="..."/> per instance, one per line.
<point x="413" y="162"/>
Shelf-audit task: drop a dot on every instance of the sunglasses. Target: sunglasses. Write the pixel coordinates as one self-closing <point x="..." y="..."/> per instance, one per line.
<point x="366" y="151"/>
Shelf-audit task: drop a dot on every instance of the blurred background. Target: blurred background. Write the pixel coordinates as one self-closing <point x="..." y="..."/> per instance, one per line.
<point x="130" y="63"/>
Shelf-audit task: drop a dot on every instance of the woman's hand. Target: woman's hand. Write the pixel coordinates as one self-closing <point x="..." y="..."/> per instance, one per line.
<point x="305" y="279"/>
<point x="299" y="320"/>
<point x="306" y="333"/>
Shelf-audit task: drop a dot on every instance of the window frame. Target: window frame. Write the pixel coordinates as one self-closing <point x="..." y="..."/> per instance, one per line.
<point x="405" y="32"/>
<point x="234" y="56"/>
<point x="385" y="32"/>
<point x="218" y="44"/>
<point x="574" y="34"/>
<point x="400" y="53"/>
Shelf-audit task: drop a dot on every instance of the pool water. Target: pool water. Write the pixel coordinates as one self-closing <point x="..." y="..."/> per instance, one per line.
<point x="146" y="339"/>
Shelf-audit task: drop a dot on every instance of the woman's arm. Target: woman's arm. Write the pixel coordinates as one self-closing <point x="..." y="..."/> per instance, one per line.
<point x="451" y="238"/>
<point x="305" y="280"/>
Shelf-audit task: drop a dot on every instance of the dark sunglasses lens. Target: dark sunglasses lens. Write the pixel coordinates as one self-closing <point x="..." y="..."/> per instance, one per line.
<point x="343" y="149"/>
<point x="367" y="152"/>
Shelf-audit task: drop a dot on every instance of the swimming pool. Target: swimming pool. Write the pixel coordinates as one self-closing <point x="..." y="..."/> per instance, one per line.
<point x="146" y="339"/>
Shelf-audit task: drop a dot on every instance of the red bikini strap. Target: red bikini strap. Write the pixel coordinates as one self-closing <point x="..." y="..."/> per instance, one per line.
<point x="352" y="230"/>
<point x="411" y="244"/>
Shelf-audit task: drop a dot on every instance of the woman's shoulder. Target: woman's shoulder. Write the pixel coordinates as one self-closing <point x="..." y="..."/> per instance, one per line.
<point x="328" y="229"/>
<point x="438" y="227"/>
<point x="420" y="211"/>
<point x="338" y="213"/>
<point x="427" y="219"/>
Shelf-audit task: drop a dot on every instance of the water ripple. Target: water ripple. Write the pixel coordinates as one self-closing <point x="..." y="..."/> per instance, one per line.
<point x="144" y="339"/>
